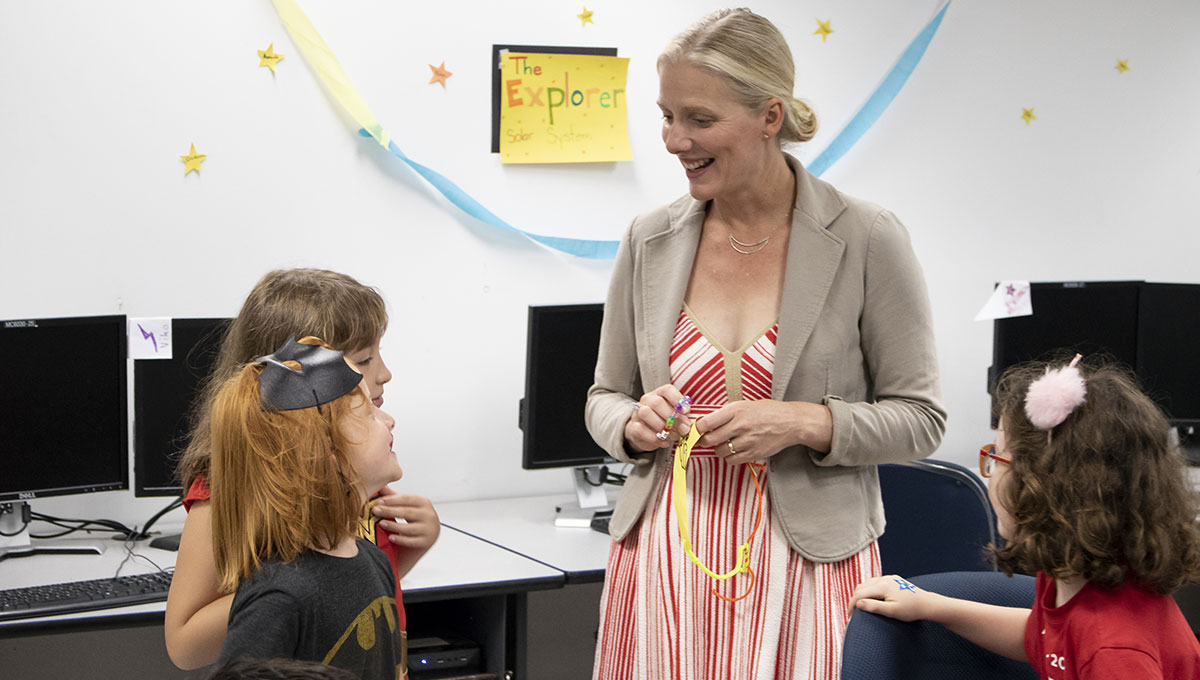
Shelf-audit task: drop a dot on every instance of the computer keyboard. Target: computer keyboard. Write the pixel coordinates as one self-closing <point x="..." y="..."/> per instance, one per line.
<point x="81" y="596"/>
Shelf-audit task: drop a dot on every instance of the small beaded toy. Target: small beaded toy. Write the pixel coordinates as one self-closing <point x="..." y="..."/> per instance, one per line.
<point x="683" y="406"/>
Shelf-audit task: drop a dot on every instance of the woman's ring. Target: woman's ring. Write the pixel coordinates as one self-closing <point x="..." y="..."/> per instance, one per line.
<point x="732" y="451"/>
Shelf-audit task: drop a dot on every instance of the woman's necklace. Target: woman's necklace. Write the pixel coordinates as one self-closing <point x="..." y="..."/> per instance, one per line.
<point x="743" y="247"/>
<point x="748" y="248"/>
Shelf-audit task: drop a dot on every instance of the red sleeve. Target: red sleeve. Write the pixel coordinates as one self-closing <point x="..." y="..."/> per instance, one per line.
<point x="1120" y="663"/>
<point x="198" y="491"/>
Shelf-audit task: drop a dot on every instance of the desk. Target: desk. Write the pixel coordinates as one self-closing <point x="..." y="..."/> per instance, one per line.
<point x="460" y="566"/>
<point x="475" y="582"/>
<point x="38" y="570"/>
<point x="560" y="624"/>
<point x="464" y="585"/>
<point x="526" y="526"/>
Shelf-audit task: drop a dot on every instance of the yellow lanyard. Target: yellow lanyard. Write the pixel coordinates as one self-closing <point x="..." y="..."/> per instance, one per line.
<point x="683" y="450"/>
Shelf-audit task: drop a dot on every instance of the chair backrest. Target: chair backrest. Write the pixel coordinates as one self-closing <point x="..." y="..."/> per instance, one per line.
<point x="939" y="519"/>
<point x="879" y="648"/>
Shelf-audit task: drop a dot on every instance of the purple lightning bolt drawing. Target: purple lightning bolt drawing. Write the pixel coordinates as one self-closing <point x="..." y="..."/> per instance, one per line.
<point x="149" y="336"/>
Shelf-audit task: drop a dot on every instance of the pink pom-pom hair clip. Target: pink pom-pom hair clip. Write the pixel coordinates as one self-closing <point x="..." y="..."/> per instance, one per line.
<point x="1054" y="396"/>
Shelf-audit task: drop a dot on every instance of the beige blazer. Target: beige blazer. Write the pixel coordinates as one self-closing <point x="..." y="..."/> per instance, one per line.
<point x="855" y="333"/>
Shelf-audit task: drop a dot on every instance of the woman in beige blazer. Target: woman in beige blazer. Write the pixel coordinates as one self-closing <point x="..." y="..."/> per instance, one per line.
<point x="843" y="377"/>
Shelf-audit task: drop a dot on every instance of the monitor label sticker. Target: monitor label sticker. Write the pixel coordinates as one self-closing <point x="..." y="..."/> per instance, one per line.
<point x="1009" y="299"/>
<point x="150" y="338"/>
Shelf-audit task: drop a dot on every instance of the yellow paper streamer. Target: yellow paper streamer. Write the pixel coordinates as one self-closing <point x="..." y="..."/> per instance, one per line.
<point x="329" y="71"/>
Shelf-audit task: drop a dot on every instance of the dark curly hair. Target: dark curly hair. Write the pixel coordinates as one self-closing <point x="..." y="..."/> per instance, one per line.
<point x="1105" y="497"/>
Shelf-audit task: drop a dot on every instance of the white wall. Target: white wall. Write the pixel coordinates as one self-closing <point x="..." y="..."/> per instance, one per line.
<point x="98" y="100"/>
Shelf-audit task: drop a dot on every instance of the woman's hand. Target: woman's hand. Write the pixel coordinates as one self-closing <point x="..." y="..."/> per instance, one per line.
<point x="655" y="406"/>
<point x="410" y="522"/>
<point x="894" y="597"/>
<point x="752" y="431"/>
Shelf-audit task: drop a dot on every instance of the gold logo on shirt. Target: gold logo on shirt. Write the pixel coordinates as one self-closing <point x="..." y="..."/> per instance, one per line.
<point x="364" y="630"/>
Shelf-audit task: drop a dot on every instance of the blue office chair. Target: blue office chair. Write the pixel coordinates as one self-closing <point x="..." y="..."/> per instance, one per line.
<point x="939" y="519"/>
<point x="879" y="648"/>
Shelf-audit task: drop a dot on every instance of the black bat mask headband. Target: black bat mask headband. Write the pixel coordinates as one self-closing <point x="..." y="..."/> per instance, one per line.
<point x="322" y="377"/>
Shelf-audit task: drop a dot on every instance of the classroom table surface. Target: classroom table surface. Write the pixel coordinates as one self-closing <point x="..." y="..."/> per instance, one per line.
<point x="459" y="565"/>
<point x="526" y="526"/>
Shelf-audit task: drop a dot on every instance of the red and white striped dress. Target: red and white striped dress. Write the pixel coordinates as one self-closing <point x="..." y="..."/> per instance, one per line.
<point x="658" y="618"/>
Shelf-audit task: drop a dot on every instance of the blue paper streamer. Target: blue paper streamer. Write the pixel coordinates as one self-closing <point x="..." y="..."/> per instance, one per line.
<point x="862" y="121"/>
<point x="597" y="250"/>
<point x="880" y="99"/>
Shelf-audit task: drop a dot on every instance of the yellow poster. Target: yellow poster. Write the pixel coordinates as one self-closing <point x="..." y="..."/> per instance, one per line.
<point x="563" y="108"/>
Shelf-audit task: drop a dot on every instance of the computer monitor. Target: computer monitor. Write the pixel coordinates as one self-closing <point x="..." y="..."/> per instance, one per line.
<point x="164" y="392"/>
<point x="1089" y="317"/>
<point x="560" y="366"/>
<point x="1153" y="328"/>
<point x="63" y="416"/>
<point x="1168" y="333"/>
<point x="63" y="407"/>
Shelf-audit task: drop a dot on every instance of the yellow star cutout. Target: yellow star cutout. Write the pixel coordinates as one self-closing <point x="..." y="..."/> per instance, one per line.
<point x="585" y="17"/>
<point x="440" y="74"/>
<point x="1027" y="115"/>
<point x="823" y="29"/>
<point x="1122" y="65"/>
<point x="268" y="57"/>
<point x="192" y="161"/>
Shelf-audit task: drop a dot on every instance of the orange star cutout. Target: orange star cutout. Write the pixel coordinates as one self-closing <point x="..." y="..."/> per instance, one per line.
<point x="440" y="74"/>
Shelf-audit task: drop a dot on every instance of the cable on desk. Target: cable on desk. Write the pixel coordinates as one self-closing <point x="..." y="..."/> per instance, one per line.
<point x="25" y="517"/>
<point x="124" y="532"/>
<point x="618" y="478"/>
<point x="135" y="536"/>
<point x="145" y="532"/>
<point x="81" y="525"/>
<point x="127" y="544"/>
<point x="603" y="473"/>
<point x="606" y="477"/>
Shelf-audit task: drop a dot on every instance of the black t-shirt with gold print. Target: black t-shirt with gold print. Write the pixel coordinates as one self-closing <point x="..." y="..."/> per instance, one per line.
<point x="340" y="611"/>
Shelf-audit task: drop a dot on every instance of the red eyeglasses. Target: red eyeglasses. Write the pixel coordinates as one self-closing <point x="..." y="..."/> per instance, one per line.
<point x="988" y="459"/>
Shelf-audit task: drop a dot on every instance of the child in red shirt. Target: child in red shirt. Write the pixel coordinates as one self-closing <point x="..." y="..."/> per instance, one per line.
<point x="1092" y="496"/>
<point x="284" y="303"/>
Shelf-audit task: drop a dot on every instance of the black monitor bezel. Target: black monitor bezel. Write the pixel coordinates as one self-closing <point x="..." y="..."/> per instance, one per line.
<point x="119" y="325"/>
<point x="530" y="411"/>
<point x="1153" y="331"/>
<point x="1004" y="326"/>
<point x="214" y="329"/>
<point x="1136" y="323"/>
